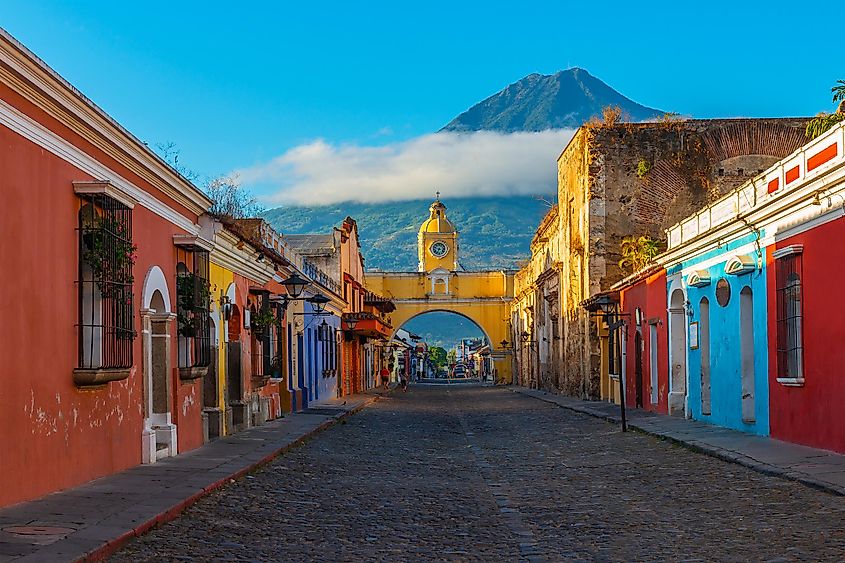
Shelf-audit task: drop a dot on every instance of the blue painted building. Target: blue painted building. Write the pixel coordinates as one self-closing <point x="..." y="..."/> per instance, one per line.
<point x="726" y="342"/>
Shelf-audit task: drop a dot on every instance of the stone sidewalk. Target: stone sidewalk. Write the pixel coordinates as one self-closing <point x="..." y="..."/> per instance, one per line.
<point x="816" y="468"/>
<point x="93" y="520"/>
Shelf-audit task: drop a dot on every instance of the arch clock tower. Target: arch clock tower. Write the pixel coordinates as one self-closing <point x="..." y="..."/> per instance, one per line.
<point x="437" y="243"/>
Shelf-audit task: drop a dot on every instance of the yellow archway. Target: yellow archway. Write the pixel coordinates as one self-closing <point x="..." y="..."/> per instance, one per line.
<point x="482" y="297"/>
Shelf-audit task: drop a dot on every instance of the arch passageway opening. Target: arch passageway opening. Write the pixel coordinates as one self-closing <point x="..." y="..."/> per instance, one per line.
<point x="449" y="346"/>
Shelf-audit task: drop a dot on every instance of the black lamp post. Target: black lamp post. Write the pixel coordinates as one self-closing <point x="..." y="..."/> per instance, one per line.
<point x="608" y="308"/>
<point x="295" y="285"/>
<point x="318" y="302"/>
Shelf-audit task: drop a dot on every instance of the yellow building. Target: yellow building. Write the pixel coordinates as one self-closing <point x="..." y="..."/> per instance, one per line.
<point x="440" y="285"/>
<point x="535" y="310"/>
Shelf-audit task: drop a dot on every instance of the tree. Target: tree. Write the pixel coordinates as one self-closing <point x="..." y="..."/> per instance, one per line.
<point x="638" y="252"/>
<point x="452" y="357"/>
<point x="231" y="199"/>
<point x="437" y="355"/>
<point x="838" y="92"/>
<point x="170" y="153"/>
<point x="825" y="121"/>
<point x="610" y="116"/>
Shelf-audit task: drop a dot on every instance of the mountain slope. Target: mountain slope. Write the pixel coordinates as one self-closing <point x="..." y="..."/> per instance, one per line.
<point x="494" y="232"/>
<point x="537" y="102"/>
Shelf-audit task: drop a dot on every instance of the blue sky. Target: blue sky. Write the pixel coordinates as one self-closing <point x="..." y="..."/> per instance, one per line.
<point x="235" y="85"/>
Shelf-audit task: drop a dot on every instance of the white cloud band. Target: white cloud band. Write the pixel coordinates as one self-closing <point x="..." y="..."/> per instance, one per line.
<point x="483" y="163"/>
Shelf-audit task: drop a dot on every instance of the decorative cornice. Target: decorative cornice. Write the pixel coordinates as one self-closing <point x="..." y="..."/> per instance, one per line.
<point x="227" y="255"/>
<point x="788" y="251"/>
<point x="35" y="132"/>
<point x="103" y="188"/>
<point x="740" y="264"/>
<point x="699" y="278"/>
<point x="192" y="241"/>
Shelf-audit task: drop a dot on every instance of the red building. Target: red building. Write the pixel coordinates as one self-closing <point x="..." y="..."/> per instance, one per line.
<point x="643" y="348"/>
<point x="806" y="329"/>
<point x="90" y="265"/>
<point x="806" y="356"/>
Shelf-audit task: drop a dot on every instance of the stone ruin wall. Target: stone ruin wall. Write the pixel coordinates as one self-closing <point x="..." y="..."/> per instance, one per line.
<point x="691" y="163"/>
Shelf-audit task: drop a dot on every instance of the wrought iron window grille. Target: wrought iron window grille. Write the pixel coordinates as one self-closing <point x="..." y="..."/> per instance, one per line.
<point x="790" y="338"/>
<point x="105" y="281"/>
<point x="193" y="303"/>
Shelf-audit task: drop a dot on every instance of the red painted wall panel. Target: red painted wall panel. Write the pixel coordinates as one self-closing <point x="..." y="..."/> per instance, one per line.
<point x="825" y="155"/>
<point x="650" y="296"/>
<point x="812" y="414"/>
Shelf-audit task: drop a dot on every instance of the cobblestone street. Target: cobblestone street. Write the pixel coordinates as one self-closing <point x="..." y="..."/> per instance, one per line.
<point x="476" y="473"/>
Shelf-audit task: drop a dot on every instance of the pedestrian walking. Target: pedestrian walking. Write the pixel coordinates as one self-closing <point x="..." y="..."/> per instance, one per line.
<point x="385" y="377"/>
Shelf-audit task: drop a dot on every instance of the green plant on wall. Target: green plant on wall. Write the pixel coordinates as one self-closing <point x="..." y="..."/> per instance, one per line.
<point x="194" y="296"/>
<point x="109" y="251"/>
<point x="643" y="168"/>
<point x="638" y="252"/>
<point x="261" y="320"/>
<point x="825" y="121"/>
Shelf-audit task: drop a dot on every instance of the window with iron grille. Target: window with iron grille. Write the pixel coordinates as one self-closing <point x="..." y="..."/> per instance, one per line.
<point x="105" y="281"/>
<point x="277" y="360"/>
<point x="789" y="328"/>
<point x="193" y="301"/>
<point x="262" y="321"/>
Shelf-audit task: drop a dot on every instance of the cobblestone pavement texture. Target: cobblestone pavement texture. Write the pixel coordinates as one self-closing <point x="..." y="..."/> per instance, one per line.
<point x="484" y="474"/>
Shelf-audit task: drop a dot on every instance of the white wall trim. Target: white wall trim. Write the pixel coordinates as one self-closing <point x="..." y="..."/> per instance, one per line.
<point x="155" y="280"/>
<point x="29" y="129"/>
<point x="788" y="251"/>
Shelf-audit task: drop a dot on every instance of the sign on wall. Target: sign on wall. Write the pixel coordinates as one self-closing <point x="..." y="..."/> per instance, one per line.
<point x="693" y="335"/>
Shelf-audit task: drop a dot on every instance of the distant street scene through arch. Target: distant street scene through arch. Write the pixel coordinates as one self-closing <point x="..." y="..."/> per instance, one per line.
<point x="451" y="347"/>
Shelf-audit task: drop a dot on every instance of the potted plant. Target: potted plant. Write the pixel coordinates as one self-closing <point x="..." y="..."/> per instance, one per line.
<point x="261" y="321"/>
<point x="108" y="250"/>
<point x="194" y="295"/>
<point x="187" y="324"/>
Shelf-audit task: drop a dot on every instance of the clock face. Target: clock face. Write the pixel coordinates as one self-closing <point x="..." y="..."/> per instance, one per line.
<point x="439" y="249"/>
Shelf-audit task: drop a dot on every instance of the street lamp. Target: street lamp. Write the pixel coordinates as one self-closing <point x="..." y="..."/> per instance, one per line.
<point x="351" y="323"/>
<point x="295" y="285"/>
<point x="319" y="302"/>
<point x="608" y="308"/>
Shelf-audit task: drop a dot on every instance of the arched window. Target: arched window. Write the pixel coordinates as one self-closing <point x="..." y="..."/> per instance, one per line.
<point x="704" y="353"/>
<point x="106" y="258"/>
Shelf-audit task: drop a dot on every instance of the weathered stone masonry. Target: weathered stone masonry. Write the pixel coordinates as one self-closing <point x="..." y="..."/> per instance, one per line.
<point x="602" y="199"/>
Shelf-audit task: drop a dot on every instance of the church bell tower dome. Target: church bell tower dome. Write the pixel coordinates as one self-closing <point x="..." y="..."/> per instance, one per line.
<point x="437" y="221"/>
